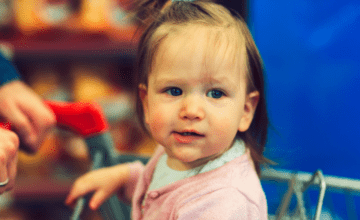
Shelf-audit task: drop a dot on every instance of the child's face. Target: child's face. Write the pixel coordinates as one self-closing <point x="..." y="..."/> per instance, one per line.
<point x="192" y="110"/>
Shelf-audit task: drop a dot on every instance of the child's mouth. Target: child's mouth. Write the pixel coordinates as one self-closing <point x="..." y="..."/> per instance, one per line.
<point x="188" y="133"/>
<point x="187" y="137"/>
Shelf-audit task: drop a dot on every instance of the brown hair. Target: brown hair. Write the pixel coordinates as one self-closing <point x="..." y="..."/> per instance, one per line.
<point x="160" y="13"/>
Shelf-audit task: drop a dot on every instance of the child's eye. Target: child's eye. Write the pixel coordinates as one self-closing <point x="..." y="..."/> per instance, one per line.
<point x="216" y="94"/>
<point x="174" y="91"/>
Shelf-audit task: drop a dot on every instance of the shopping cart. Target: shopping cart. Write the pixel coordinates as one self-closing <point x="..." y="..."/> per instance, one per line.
<point x="300" y="183"/>
<point x="88" y="121"/>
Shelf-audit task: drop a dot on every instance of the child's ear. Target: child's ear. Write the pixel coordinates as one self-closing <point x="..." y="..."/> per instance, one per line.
<point x="144" y="100"/>
<point x="251" y="102"/>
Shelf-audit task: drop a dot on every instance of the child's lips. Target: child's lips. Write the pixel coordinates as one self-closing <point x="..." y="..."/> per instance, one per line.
<point x="187" y="137"/>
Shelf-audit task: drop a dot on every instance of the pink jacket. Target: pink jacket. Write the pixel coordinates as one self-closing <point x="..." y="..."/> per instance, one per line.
<point x="232" y="191"/>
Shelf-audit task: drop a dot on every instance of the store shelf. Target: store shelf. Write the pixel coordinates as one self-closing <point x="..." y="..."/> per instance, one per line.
<point x="63" y="45"/>
<point x="41" y="189"/>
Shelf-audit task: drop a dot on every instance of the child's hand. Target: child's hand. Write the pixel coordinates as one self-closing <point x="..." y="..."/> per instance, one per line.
<point x="103" y="182"/>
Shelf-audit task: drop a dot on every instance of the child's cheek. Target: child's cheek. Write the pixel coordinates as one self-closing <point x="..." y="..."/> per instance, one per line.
<point x="157" y="123"/>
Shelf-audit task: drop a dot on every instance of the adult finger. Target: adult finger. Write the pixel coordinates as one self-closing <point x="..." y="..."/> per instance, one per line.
<point x="3" y="172"/>
<point x="20" y="124"/>
<point x="42" y="120"/>
<point x="9" y="144"/>
<point x="41" y="116"/>
<point x="12" y="170"/>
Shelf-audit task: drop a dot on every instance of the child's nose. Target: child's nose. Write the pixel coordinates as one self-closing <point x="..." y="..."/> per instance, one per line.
<point x="192" y="109"/>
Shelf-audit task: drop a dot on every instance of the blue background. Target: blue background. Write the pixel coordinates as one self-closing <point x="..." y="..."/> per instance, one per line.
<point x="311" y="55"/>
<point x="311" y="52"/>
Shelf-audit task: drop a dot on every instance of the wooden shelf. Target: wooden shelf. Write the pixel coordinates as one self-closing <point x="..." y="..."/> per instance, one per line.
<point x="62" y="44"/>
<point x="41" y="189"/>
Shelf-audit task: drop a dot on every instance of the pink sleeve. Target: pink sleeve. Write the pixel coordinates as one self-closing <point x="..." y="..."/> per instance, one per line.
<point x="127" y="192"/>
<point x="227" y="203"/>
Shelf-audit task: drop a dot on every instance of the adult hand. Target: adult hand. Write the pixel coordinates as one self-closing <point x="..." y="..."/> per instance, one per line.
<point x="30" y="118"/>
<point x="9" y="144"/>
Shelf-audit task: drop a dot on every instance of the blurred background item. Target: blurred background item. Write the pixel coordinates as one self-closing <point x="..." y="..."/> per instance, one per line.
<point x="69" y="50"/>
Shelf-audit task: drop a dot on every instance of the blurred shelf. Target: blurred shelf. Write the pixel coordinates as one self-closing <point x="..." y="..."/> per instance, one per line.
<point x="53" y="44"/>
<point x="41" y="189"/>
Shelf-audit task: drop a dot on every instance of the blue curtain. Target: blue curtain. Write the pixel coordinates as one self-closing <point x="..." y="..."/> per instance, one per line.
<point x="311" y="51"/>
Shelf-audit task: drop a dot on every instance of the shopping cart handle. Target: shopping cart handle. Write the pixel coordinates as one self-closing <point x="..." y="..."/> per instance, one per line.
<point x="5" y="125"/>
<point x="88" y="120"/>
<point x="83" y="118"/>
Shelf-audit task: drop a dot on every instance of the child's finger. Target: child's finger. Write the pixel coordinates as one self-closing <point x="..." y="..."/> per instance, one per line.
<point x="76" y="192"/>
<point x="69" y="201"/>
<point x="98" y="199"/>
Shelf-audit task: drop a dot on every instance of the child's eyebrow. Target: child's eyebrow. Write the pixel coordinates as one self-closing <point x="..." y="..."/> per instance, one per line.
<point x="223" y="81"/>
<point x="217" y="81"/>
<point x="220" y="80"/>
<point x="169" y="80"/>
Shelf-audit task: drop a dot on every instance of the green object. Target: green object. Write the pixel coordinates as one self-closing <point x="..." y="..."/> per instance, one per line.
<point x="102" y="153"/>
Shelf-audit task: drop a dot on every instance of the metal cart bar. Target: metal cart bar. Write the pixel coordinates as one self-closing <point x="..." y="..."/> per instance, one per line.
<point x="334" y="182"/>
<point x="299" y="182"/>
